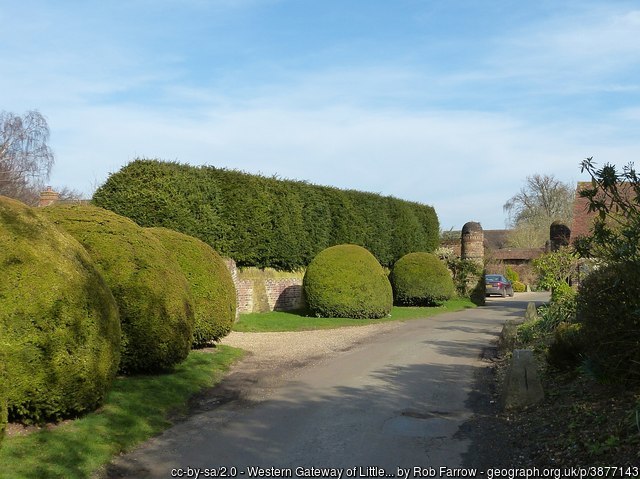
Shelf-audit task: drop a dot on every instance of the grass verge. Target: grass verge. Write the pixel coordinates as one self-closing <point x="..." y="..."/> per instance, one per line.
<point x="136" y="409"/>
<point x="296" y="320"/>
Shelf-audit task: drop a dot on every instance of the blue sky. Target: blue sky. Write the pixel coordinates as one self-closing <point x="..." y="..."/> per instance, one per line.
<point x="449" y="103"/>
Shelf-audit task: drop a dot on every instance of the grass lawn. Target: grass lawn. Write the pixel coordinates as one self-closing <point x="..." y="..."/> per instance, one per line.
<point x="136" y="409"/>
<point x="296" y="321"/>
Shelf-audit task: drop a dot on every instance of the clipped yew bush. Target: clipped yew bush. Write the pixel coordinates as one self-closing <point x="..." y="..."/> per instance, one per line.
<point x="346" y="281"/>
<point x="212" y="288"/>
<point x="59" y="326"/>
<point x="608" y="307"/>
<point x="421" y="279"/>
<point x="156" y="308"/>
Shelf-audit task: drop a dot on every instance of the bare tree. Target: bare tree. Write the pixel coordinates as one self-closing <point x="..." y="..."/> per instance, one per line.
<point x="68" y="194"/>
<point x="543" y="200"/>
<point x="25" y="157"/>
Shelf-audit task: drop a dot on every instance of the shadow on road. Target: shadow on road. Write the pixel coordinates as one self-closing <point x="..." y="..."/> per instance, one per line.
<point x="397" y="420"/>
<point x="415" y="409"/>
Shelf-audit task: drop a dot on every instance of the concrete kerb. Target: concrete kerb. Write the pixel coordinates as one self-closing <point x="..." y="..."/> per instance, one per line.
<point x="507" y="338"/>
<point x="522" y="386"/>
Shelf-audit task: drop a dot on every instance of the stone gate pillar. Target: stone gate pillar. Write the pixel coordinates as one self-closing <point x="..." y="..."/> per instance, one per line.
<point x="472" y="242"/>
<point x="559" y="235"/>
<point x="472" y="248"/>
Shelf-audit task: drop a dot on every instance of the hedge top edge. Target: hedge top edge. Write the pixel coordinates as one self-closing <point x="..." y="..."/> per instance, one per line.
<point x="266" y="221"/>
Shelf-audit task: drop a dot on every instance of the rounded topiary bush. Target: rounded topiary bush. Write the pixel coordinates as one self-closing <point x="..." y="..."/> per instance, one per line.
<point x="212" y="288"/>
<point x="608" y="307"/>
<point x="421" y="279"/>
<point x="346" y="281"/>
<point x="156" y="308"/>
<point x="59" y="326"/>
<point x="519" y="287"/>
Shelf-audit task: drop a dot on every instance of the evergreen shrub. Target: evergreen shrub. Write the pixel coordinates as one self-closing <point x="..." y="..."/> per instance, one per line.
<point x="212" y="288"/>
<point x="421" y="279"/>
<point x="266" y="222"/>
<point x="59" y="325"/>
<point x="519" y="287"/>
<point x="156" y="308"/>
<point x="511" y="274"/>
<point x="346" y="281"/>
<point x="561" y="309"/>
<point x="567" y="347"/>
<point x="608" y="307"/>
<point x="478" y="292"/>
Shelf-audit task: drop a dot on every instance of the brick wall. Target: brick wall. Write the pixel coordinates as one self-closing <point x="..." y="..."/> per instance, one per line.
<point x="263" y="290"/>
<point x="244" y="293"/>
<point x="284" y="294"/>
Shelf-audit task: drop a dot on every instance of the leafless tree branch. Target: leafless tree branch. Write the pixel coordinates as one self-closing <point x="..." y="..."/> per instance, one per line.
<point x="25" y="156"/>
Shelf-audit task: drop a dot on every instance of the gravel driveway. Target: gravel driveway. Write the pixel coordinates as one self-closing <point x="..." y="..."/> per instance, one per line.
<point x="274" y="357"/>
<point x="294" y="347"/>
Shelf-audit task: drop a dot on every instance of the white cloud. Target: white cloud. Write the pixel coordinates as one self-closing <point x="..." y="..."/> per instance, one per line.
<point x="448" y="159"/>
<point x="423" y="132"/>
<point x="571" y="52"/>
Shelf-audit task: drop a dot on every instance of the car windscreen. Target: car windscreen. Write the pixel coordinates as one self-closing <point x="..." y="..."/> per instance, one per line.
<point x="492" y="278"/>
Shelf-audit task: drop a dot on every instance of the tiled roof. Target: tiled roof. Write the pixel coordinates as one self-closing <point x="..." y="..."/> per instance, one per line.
<point x="582" y="218"/>
<point x="517" y="253"/>
<point x="495" y="239"/>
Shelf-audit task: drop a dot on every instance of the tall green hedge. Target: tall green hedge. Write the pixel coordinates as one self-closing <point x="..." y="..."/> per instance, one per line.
<point x="214" y="295"/>
<point x="154" y="299"/>
<point x="266" y="222"/>
<point x="59" y="323"/>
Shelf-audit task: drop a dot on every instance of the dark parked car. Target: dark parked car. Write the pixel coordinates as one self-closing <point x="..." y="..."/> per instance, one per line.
<point x="498" y="284"/>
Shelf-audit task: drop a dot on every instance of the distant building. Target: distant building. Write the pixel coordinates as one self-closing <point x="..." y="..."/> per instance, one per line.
<point x="582" y="218"/>
<point x="495" y="239"/>
<point x="495" y="246"/>
<point x="48" y="197"/>
<point x="494" y="249"/>
<point x="516" y="256"/>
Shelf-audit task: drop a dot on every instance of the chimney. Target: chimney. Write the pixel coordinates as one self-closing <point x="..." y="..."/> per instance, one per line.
<point x="48" y="197"/>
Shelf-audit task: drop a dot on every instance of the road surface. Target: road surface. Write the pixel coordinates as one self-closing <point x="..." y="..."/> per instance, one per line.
<point x="394" y="401"/>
